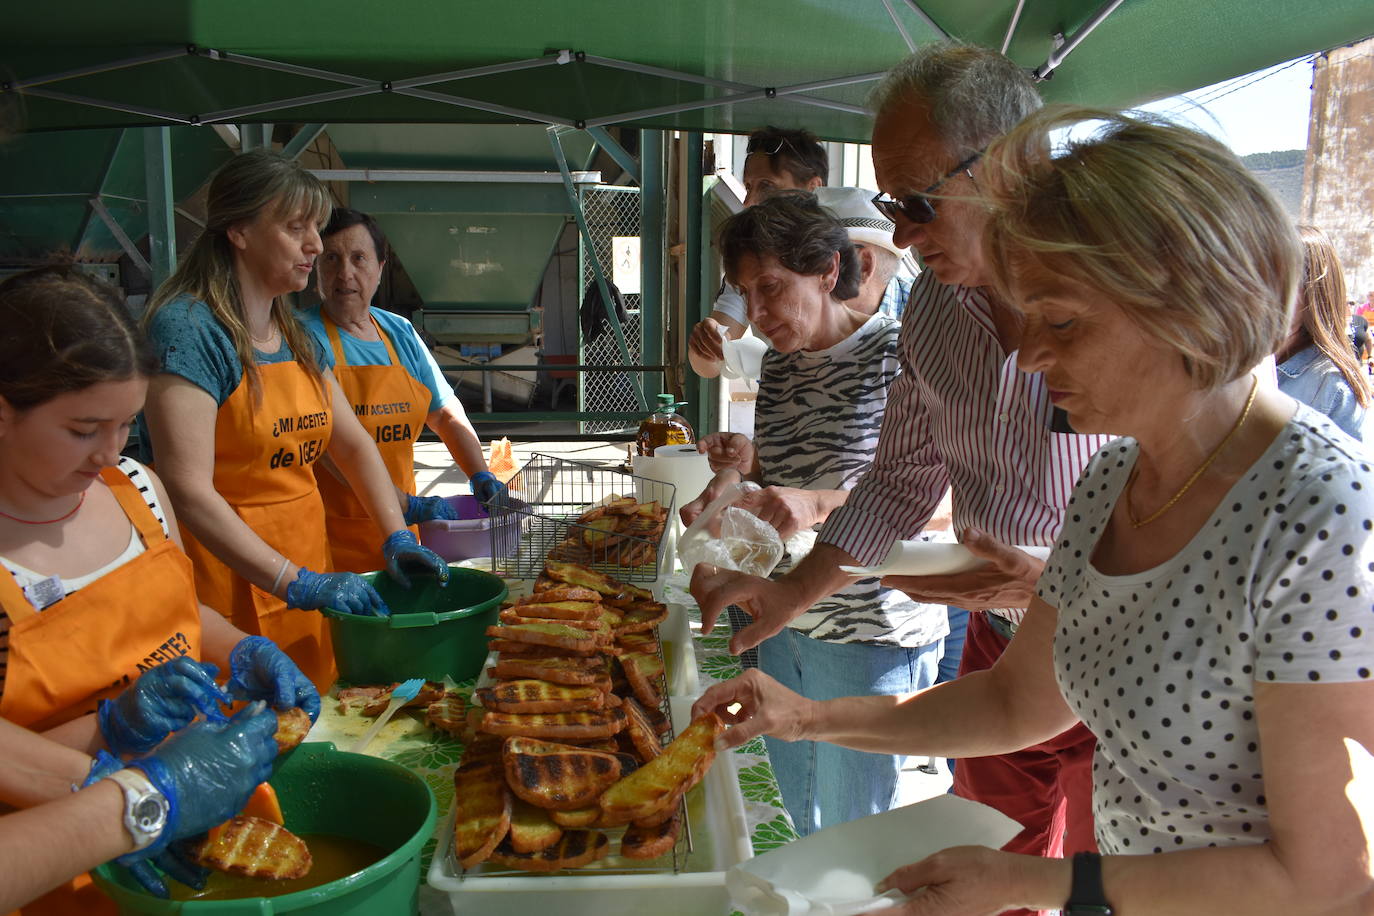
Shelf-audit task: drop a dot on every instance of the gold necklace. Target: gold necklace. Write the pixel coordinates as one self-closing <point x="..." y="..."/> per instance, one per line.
<point x="1254" y="387"/>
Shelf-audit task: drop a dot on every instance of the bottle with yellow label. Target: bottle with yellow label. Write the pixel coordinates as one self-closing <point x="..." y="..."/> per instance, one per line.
<point x="664" y="427"/>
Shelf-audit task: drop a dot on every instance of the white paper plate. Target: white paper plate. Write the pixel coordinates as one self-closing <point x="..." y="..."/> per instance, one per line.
<point x="930" y="558"/>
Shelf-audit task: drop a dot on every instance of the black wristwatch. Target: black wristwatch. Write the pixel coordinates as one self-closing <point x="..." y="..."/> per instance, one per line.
<point x="1086" y="897"/>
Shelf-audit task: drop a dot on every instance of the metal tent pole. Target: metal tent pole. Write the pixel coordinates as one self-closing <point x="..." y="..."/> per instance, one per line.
<point x="1045" y="70"/>
<point x="471" y="72"/>
<point x="766" y="93"/>
<point x="635" y="382"/>
<point x="616" y="151"/>
<point x="155" y="113"/>
<point x="698" y="304"/>
<point x="906" y="36"/>
<point x="28" y="84"/>
<point x="248" y="111"/>
<point x="925" y="17"/>
<point x="652" y="215"/>
<point x="157" y="174"/>
<point x="100" y="188"/>
<point x="479" y="105"/>
<point x="303" y="138"/>
<point x="121" y="236"/>
<point x="1011" y="26"/>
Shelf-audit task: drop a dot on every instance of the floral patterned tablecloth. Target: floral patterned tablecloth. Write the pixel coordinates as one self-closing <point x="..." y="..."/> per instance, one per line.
<point x="408" y="741"/>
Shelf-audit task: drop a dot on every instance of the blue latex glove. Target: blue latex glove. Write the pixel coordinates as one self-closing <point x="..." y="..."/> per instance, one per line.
<point x="170" y="860"/>
<point x="488" y="490"/>
<point x="259" y="670"/>
<point x="206" y="772"/>
<point x="162" y="700"/>
<point x="343" y="591"/>
<point x="402" y="550"/>
<point x="429" y="509"/>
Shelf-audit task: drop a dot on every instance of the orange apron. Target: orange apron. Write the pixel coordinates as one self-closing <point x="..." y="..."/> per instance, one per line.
<point x="392" y="407"/>
<point x="90" y="645"/>
<point x="263" y="458"/>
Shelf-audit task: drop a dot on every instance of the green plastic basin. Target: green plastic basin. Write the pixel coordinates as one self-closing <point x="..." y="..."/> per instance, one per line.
<point x="432" y="632"/>
<point x="326" y="791"/>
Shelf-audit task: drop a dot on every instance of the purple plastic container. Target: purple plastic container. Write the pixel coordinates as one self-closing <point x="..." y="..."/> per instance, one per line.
<point x="472" y="535"/>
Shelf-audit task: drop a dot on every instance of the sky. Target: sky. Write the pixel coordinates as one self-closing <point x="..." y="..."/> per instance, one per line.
<point x="1256" y="113"/>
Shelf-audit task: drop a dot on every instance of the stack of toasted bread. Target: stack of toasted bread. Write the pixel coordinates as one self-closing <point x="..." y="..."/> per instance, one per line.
<point x="622" y="532"/>
<point x="570" y="738"/>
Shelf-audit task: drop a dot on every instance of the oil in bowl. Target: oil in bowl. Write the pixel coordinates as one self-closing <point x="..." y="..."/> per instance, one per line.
<point x="334" y="857"/>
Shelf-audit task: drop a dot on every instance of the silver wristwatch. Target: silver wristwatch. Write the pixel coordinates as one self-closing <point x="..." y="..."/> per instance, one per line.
<point x="145" y="808"/>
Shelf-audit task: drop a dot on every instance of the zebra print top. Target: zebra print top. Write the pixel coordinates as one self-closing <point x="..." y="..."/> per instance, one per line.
<point x="816" y="427"/>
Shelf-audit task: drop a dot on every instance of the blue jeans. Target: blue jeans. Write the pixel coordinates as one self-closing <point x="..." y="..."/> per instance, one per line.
<point x="824" y="784"/>
<point x="954" y="644"/>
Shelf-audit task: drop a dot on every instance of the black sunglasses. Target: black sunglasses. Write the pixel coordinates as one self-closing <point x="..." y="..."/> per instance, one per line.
<point x="917" y="207"/>
<point x="759" y="146"/>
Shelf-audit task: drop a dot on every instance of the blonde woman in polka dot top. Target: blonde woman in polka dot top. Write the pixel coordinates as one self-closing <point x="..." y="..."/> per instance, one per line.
<point x="1207" y="608"/>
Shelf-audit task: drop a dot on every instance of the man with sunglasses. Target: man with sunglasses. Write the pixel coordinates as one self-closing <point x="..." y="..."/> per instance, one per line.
<point x="776" y="159"/>
<point x="960" y="416"/>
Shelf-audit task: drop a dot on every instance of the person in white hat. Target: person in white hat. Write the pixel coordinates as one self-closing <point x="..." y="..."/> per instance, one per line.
<point x="882" y="288"/>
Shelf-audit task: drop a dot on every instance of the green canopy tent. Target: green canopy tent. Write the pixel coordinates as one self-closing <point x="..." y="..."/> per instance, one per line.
<point x="708" y="65"/>
<point x="75" y="76"/>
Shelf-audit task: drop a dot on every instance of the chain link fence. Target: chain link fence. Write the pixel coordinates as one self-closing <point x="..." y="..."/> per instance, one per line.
<point x="611" y="211"/>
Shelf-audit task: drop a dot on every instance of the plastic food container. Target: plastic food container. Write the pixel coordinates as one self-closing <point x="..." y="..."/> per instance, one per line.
<point x="471" y="536"/>
<point x="326" y="791"/>
<point x="720" y="838"/>
<point x="432" y="632"/>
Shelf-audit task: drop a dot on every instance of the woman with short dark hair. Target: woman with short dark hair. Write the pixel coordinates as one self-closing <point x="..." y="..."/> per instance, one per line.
<point x="817" y="416"/>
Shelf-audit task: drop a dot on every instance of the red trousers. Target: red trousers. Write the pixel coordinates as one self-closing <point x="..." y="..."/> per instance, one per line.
<point x="1047" y="788"/>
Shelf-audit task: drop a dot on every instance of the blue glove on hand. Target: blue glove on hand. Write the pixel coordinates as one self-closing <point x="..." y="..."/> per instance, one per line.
<point x="162" y="700"/>
<point x="261" y="671"/>
<point x="487" y="488"/>
<point x="206" y="772"/>
<point x="402" y="550"/>
<point x="343" y="591"/>
<point x="429" y="509"/>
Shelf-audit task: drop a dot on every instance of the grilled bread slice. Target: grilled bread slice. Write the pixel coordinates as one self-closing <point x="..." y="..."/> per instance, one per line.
<point x="642" y="617"/>
<point x="666" y="778"/>
<point x="509" y="648"/>
<point x="651" y="842"/>
<point x="482" y="802"/>
<point x="511" y="616"/>
<point x="577" y="817"/>
<point x="555" y="726"/>
<point x="292" y="726"/>
<point x="582" y="577"/>
<point x="629" y="596"/>
<point x="530" y="828"/>
<point x="448" y="715"/>
<point x="557" y="635"/>
<point x="531" y="696"/>
<point x="575" y="849"/>
<point x="578" y="671"/>
<point x="253" y="848"/>
<point x="559" y="610"/>
<point x="555" y="593"/>
<point x="431" y="692"/>
<point x="644" y="671"/>
<point x="640" y="733"/>
<point x="557" y="776"/>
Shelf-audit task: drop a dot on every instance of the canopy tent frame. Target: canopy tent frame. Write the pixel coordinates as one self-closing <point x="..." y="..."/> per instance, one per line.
<point x="362" y="86"/>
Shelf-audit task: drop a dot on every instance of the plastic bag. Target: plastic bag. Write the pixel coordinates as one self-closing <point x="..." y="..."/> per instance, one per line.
<point x="730" y="537"/>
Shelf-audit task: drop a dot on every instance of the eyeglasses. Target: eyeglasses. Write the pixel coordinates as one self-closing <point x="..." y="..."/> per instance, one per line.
<point x="756" y="145"/>
<point x="917" y="207"/>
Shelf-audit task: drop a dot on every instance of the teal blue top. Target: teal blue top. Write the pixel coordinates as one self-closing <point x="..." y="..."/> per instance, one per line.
<point x="410" y="350"/>
<point x="193" y="344"/>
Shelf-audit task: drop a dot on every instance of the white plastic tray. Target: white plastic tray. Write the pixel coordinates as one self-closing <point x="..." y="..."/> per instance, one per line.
<point x="720" y="838"/>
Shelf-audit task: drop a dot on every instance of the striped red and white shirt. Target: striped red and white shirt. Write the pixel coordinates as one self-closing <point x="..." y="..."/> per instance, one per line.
<point x="961" y="416"/>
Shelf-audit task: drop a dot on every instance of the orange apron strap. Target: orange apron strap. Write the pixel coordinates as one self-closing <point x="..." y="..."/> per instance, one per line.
<point x="134" y="505"/>
<point x="12" y="599"/>
<point x="336" y="343"/>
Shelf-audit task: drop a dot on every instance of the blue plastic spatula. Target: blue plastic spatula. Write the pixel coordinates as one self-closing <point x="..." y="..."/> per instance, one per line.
<point x="403" y="694"/>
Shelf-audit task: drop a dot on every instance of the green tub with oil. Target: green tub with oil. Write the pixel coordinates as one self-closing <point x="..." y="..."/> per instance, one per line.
<point x="369" y="803"/>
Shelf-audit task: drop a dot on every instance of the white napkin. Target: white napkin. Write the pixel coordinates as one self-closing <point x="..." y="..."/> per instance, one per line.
<point x="928" y="558"/>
